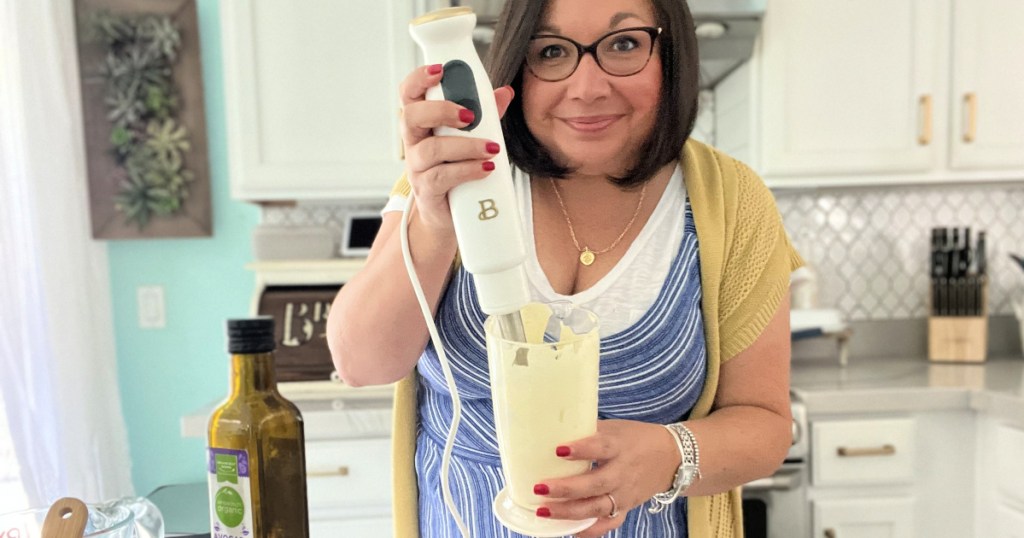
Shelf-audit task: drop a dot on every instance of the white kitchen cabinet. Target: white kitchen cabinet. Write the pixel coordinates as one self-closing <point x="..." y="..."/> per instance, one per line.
<point x="311" y="96"/>
<point x="987" y="105"/>
<point x="879" y="92"/>
<point x="864" y="518"/>
<point x="1000" y="480"/>
<point x="892" y="476"/>
<point x="853" y="452"/>
<point x="840" y="82"/>
<point x="348" y="483"/>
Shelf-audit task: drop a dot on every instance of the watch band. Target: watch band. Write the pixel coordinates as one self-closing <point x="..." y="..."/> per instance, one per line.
<point x="688" y="471"/>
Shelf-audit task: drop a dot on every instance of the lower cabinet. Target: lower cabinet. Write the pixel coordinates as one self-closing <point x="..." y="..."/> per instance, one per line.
<point x="864" y="518"/>
<point x="1000" y="476"/>
<point x="349" y="487"/>
<point x="886" y="476"/>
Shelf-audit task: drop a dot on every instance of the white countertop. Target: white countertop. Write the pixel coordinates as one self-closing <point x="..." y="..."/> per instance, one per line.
<point x="995" y="387"/>
<point x="346" y="414"/>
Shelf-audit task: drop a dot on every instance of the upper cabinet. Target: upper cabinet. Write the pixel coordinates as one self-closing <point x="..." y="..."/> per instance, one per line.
<point x="880" y="91"/>
<point x="987" y="107"/>
<point x="312" y="96"/>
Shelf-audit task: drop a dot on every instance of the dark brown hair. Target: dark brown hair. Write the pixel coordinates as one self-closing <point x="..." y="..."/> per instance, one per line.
<point x="677" y="106"/>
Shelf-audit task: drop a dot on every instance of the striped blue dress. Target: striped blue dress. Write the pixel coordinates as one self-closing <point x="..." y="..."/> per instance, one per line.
<point x="653" y="371"/>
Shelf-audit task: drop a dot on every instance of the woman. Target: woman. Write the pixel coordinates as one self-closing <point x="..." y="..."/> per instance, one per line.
<point x="677" y="248"/>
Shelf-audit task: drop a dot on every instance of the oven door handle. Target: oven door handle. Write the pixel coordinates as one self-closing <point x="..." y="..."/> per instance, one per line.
<point x="782" y="480"/>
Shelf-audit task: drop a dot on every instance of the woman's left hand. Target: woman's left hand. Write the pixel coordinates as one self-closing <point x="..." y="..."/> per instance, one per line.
<point x="634" y="459"/>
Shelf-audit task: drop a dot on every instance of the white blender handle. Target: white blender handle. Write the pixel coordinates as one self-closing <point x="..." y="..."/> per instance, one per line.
<point x="485" y="212"/>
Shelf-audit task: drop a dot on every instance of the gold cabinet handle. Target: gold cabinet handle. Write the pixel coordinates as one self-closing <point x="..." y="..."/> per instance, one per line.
<point x="971" y="125"/>
<point x="830" y="533"/>
<point x="340" y="471"/>
<point x="884" y="450"/>
<point x="924" y="136"/>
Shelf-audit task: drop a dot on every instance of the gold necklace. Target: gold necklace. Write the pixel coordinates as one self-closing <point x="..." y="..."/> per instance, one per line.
<point x="588" y="256"/>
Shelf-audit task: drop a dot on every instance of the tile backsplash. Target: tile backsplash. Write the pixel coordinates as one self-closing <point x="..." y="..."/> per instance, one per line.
<point x="869" y="247"/>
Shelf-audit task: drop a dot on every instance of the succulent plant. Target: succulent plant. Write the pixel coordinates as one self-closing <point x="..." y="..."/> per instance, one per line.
<point x="162" y="35"/>
<point x="168" y="140"/>
<point x="148" y="142"/>
<point x="139" y="201"/>
<point x="125" y="108"/>
<point x="160" y="102"/>
<point x="111" y="29"/>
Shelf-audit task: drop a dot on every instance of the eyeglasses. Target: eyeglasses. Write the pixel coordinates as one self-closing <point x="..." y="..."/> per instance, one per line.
<point x="620" y="53"/>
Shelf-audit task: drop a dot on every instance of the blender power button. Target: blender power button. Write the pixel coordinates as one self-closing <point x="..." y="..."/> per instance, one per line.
<point x="459" y="86"/>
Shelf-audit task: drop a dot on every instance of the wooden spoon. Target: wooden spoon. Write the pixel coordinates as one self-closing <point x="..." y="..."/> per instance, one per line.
<point x="66" y="519"/>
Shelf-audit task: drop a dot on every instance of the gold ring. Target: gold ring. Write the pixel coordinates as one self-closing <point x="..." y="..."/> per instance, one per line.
<point x="615" y="507"/>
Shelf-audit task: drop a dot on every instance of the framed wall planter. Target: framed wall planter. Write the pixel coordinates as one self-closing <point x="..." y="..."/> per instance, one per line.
<point x="144" y="118"/>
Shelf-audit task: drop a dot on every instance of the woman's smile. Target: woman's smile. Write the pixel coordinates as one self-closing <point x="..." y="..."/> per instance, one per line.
<point x="591" y="124"/>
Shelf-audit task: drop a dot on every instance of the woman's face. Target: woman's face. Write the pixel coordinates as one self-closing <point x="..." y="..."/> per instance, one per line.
<point x="592" y="121"/>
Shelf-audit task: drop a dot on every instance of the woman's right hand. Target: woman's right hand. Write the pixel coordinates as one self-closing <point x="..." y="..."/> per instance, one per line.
<point x="435" y="165"/>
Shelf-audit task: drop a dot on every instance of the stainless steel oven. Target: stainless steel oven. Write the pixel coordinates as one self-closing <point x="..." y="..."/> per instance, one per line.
<point x="777" y="506"/>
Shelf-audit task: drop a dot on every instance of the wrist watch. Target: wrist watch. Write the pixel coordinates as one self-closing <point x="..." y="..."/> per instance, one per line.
<point x="688" y="471"/>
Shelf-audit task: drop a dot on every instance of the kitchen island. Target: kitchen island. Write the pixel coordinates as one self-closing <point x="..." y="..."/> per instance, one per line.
<point x="907" y="447"/>
<point x="994" y="387"/>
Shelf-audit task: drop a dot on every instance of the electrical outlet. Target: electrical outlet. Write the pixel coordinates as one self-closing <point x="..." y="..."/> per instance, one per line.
<point x="151" y="307"/>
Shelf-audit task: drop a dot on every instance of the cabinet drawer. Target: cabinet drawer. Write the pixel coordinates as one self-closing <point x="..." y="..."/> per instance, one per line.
<point x="1008" y="464"/>
<point x="891" y="517"/>
<point x="353" y="472"/>
<point x="862" y="452"/>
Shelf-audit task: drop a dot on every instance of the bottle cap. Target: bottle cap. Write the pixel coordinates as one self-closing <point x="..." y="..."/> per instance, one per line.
<point x="251" y="335"/>
<point x="502" y="292"/>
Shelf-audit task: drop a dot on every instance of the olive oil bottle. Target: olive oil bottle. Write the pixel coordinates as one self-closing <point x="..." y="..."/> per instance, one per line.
<point x="255" y="457"/>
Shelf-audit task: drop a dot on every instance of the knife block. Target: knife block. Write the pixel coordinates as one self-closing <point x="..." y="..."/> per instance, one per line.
<point x="957" y="339"/>
<point x="960" y="338"/>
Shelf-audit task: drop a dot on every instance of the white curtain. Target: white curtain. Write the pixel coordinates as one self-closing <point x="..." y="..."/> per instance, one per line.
<point x="58" y="373"/>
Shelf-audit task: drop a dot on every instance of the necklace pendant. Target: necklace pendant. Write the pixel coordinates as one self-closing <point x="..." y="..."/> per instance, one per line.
<point x="587" y="256"/>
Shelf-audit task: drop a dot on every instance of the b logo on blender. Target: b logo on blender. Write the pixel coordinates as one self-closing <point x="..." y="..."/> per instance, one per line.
<point x="487" y="210"/>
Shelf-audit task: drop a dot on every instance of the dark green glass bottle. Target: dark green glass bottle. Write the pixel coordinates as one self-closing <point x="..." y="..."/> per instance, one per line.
<point x="256" y="453"/>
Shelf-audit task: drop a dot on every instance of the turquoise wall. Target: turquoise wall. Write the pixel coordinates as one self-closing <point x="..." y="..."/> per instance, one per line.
<point x="170" y="372"/>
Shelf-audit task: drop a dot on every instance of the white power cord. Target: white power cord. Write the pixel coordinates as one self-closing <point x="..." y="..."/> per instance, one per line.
<point x="449" y="443"/>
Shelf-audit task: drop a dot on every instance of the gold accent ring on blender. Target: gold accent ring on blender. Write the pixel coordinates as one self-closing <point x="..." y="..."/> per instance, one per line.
<point x="445" y="13"/>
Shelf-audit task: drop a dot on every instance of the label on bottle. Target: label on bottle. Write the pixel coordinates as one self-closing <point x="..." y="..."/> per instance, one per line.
<point x="230" y="496"/>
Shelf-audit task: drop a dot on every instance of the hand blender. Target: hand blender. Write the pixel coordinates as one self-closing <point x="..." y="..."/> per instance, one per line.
<point x="484" y="212"/>
<point x="544" y="392"/>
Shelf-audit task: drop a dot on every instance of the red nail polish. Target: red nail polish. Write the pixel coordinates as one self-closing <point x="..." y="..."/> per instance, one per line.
<point x="466" y="115"/>
<point x="543" y="512"/>
<point x="493" y="147"/>
<point x="488" y="166"/>
<point x="562" y="451"/>
<point x="434" y="69"/>
<point x="541" y="489"/>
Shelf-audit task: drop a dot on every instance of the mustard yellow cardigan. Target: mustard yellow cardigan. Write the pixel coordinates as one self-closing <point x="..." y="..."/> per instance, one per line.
<point x="745" y="262"/>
